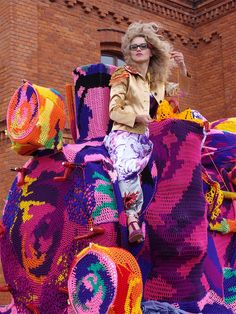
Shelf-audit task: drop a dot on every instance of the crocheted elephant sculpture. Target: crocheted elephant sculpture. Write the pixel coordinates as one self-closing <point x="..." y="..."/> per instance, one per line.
<point x="66" y="197"/>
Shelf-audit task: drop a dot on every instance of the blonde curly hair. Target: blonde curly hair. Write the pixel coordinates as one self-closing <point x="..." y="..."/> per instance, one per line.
<point x="160" y="63"/>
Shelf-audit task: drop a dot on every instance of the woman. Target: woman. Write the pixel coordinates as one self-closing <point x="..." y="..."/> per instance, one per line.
<point x="148" y="60"/>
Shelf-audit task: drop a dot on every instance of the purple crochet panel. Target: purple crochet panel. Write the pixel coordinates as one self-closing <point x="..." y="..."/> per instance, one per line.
<point x="176" y="225"/>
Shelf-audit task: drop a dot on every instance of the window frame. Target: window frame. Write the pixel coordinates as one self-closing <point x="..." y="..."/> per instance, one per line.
<point x="114" y="55"/>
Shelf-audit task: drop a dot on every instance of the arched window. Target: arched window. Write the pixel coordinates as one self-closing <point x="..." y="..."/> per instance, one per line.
<point x="112" y="59"/>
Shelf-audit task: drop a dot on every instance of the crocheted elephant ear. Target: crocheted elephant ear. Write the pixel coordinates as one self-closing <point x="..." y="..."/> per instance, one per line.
<point x="105" y="280"/>
<point x="35" y="119"/>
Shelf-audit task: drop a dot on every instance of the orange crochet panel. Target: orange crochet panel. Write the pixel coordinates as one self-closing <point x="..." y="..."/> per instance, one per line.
<point x="166" y="111"/>
<point x="35" y="119"/>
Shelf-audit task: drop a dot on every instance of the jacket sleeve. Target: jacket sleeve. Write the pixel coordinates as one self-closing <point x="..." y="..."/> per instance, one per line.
<point x="118" y="110"/>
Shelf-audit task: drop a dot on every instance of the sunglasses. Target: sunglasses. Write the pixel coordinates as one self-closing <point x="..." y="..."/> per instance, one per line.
<point x="142" y="46"/>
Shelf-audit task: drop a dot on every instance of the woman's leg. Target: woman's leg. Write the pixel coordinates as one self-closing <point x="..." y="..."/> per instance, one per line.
<point x="130" y="154"/>
<point x="132" y="194"/>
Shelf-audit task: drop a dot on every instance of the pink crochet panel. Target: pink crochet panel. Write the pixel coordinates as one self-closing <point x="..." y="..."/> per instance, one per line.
<point x="92" y="94"/>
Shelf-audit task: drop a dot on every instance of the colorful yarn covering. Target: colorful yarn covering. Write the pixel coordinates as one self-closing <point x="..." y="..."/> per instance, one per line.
<point x="92" y="100"/>
<point x="49" y="222"/>
<point x="219" y="162"/>
<point x="172" y="256"/>
<point x="218" y="158"/>
<point x="42" y="219"/>
<point x="35" y="119"/>
<point x="92" y="284"/>
<point x="105" y="279"/>
<point x="227" y="124"/>
<point x="165" y="111"/>
<point x="102" y="206"/>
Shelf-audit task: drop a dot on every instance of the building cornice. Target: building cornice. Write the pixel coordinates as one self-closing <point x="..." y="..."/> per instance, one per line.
<point x="89" y="8"/>
<point x="173" y="37"/>
<point x="189" y="41"/>
<point x="217" y="9"/>
<point x="207" y="9"/>
<point x="199" y="13"/>
<point x="168" y="9"/>
<point x="191" y="13"/>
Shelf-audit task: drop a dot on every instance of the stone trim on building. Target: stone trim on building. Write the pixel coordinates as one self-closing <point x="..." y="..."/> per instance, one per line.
<point x="189" y="41"/>
<point x="198" y="13"/>
<point x="109" y="38"/>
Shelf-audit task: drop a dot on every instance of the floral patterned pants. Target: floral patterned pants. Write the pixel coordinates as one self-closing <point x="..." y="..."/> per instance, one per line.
<point x="130" y="153"/>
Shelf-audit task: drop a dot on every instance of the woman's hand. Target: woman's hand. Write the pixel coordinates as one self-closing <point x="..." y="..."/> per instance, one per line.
<point x="179" y="60"/>
<point x="144" y="119"/>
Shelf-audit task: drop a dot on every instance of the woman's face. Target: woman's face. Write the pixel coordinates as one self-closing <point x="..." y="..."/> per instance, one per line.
<point x="139" y="50"/>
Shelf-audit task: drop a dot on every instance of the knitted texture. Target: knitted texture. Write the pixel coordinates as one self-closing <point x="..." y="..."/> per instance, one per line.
<point x="230" y="286"/>
<point x="92" y="100"/>
<point x="105" y="280"/>
<point x="105" y="205"/>
<point x="226" y="124"/>
<point x="48" y="222"/>
<point x="176" y="227"/>
<point x="165" y="110"/>
<point x="42" y="219"/>
<point x="35" y="119"/>
<point x="92" y="284"/>
<point x="219" y="159"/>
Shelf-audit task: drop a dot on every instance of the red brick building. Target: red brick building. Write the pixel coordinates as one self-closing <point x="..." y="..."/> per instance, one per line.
<point x="44" y="40"/>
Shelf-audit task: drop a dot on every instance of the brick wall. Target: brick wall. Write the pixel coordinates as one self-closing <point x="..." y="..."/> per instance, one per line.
<point x="216" y="68"/>
<point x="5" y="67"/>
<point x="43" y="41"/>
